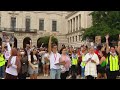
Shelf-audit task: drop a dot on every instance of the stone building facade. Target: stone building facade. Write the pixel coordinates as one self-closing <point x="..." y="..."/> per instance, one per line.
<point x="32" y="25"/>
<point x="77" y="21"/>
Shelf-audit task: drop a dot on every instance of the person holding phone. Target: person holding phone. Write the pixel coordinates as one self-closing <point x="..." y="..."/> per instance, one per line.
<point x="92" y="61"/>
<point x="66" y="63"/>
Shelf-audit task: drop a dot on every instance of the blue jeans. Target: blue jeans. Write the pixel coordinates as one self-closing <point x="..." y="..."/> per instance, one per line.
<point x="55" y="73"/>
<point x="82" y="71"/>
<point x="2" y="72"/>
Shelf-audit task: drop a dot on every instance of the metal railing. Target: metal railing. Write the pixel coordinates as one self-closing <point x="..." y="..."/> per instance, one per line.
<point x="22" y="30"/>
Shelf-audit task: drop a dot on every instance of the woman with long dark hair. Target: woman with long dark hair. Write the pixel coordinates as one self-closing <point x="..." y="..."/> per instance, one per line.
<point x="24" y="64"/>
<point x="33" y="64"/>
<point x="102" y="67"/>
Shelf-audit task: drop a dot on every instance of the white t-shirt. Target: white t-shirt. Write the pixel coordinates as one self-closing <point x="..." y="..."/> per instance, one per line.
<point x="35" y="60"/>
<point x="46" y="55"/>
<point x="54" y="58"/>
<point x="12" y="69"/>
<point x="7" y="55"/>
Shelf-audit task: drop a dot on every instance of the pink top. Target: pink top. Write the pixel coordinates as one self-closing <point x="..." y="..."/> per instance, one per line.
<point x="66" y="67"/>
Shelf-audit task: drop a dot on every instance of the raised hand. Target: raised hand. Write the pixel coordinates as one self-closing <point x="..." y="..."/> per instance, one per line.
<point x="107" y="36"/>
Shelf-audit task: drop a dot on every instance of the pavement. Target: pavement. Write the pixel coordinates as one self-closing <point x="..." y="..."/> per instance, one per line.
<point x="48" y="77"/>
<point x="41" y="76"/>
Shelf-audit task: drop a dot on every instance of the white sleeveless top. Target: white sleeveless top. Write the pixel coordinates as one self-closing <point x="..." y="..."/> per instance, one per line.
<point x="12" y="70"/>
<point x="7" y="55"/>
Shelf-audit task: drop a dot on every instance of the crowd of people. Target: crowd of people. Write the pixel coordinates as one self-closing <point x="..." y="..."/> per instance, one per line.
<point x="85" y="62"/>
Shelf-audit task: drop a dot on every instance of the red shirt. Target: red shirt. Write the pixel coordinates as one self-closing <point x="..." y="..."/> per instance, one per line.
<point x="97" y="52"/>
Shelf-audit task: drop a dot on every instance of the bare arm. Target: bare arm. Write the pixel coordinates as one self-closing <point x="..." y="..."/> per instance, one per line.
<point x="29" y="59"/>
<point x="102" y="59"/>
<point x="118" y="49"/>
<point x="103" y="48"/>
<point x="61" y="62"/>
<point x="49" y="45"/>
<point x="30" y="44"/>
<point x="46" y="59"/>
<point x="3" y="45"/>
<point x="107" y="43"/>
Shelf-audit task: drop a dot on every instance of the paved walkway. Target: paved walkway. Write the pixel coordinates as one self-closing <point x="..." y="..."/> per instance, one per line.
<point x="44" y="77"/>
<point x="41" y="77"/>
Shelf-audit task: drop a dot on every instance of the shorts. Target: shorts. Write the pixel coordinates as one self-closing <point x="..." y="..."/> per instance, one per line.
<point x="45" y="63"/>
<point x="32" y="71"/>
<point x="101" y="70"/>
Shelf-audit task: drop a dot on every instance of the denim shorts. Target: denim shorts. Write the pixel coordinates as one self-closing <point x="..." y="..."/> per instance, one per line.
<point x="55" y="73"/>
<point x="32" y="71"/>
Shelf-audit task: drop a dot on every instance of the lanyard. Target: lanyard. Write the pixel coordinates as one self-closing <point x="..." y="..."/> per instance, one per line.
<point x="55" y="57"/>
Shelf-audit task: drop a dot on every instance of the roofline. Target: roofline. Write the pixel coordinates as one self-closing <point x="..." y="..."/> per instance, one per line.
<point x="71" y="14"/>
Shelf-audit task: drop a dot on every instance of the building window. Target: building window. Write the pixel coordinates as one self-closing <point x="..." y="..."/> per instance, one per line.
<point x="79" y="37"/>
<point x="54" y="25"/>
<point x="13" y="23"/>
<point x="68" y="26"/>
<point x="70" y="39"/>
<point x="76" y="23"/>
<point x="41" y="24"/>
<point x="27" y="24"/>
<point x="0" y="21"/>
<point x="79" y="21"/>
<point x="76" y="38"/>
<point x="73" y="38"/>
<point x="73" y="24"/>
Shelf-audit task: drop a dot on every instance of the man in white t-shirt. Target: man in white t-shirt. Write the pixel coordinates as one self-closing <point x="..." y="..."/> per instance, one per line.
<point x="54" y="58"/>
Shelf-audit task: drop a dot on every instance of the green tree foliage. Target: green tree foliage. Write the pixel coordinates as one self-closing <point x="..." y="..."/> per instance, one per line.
<point x="104" y="22"/>
<point x="45" y="40"/>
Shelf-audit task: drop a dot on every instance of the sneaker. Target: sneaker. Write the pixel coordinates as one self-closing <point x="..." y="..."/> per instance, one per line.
<point x="69" y="77"/>
<point x="82" y="77"/>
<point x="46" y="75"/>
<point x="78" y="77"/>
